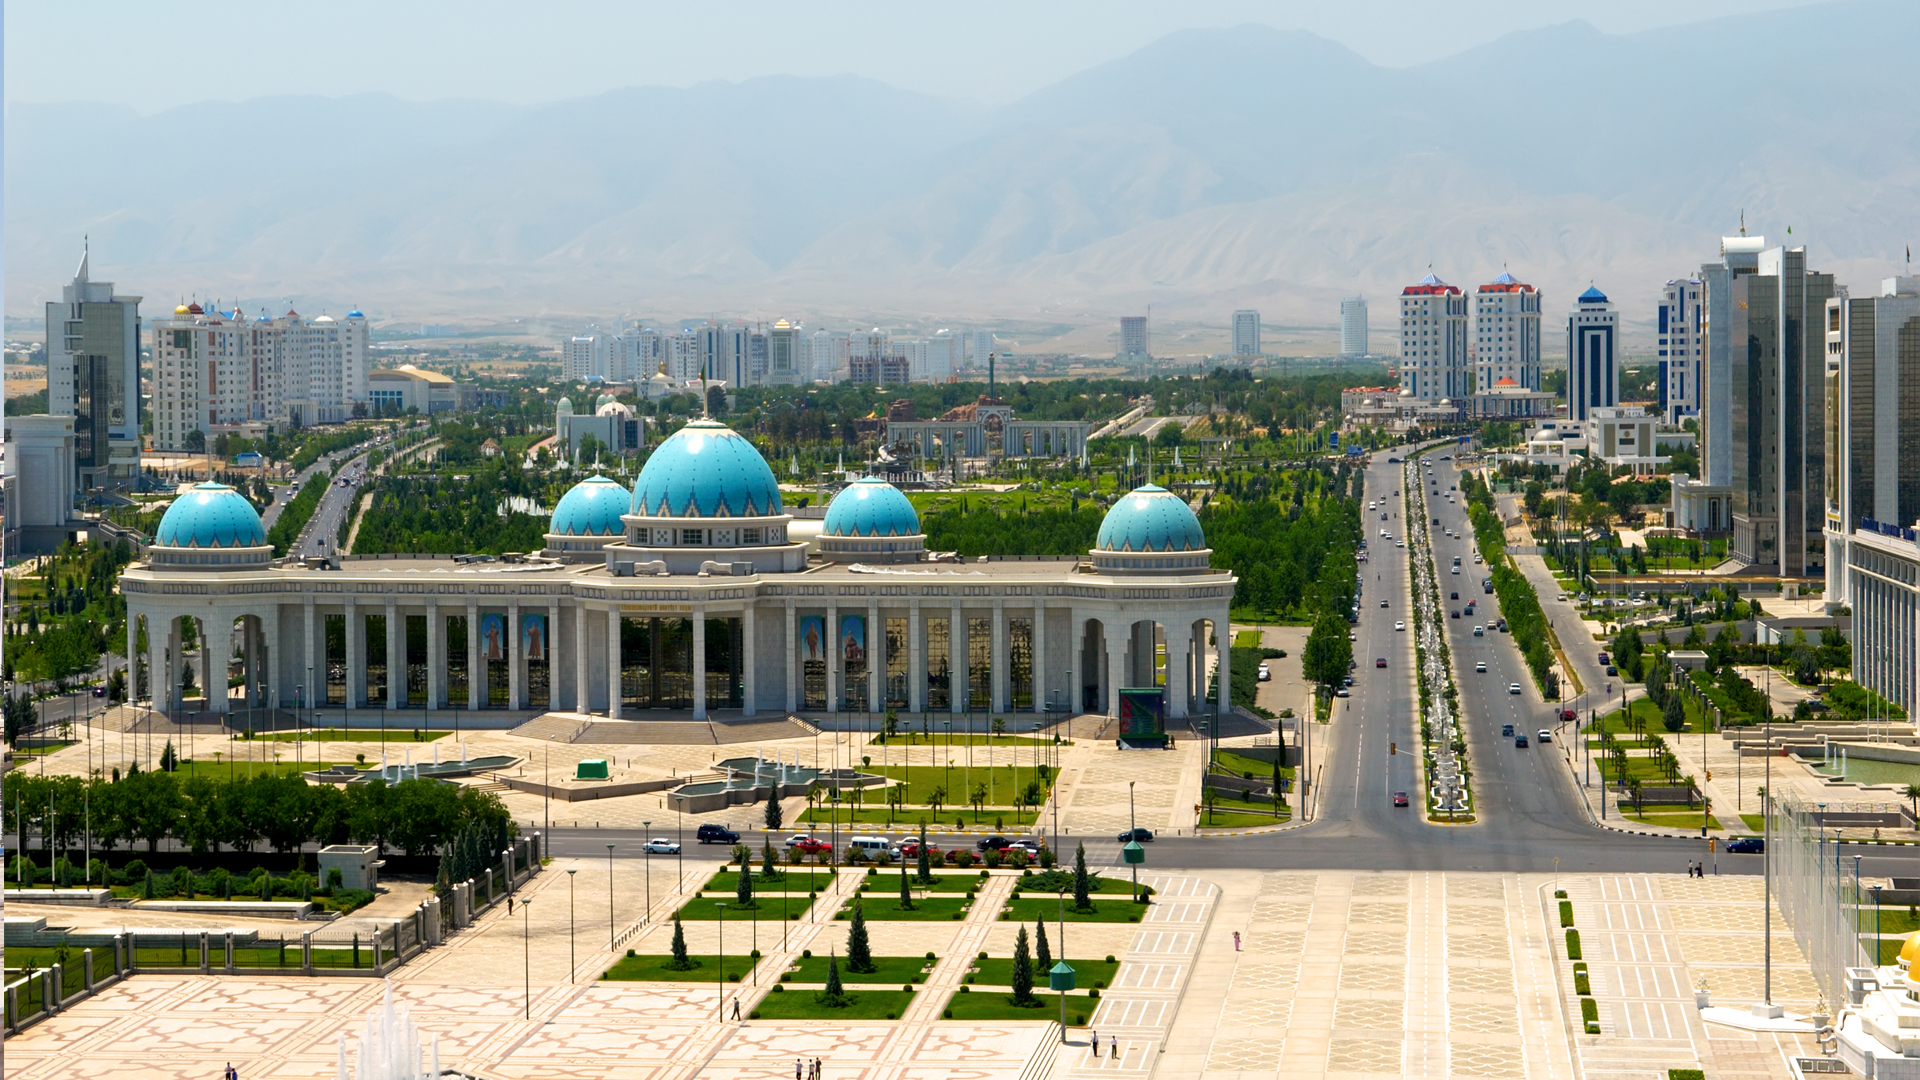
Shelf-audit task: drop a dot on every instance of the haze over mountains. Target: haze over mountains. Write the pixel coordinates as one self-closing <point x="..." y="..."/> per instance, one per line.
<point x="1213" y="169"/>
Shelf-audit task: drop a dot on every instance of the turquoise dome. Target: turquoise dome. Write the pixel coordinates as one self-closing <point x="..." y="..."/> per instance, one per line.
<point x="871" y="507"/>
<point x="1150" y="518"/>
<point x="591" y="507"/>
<point x="706" y="469"/>
<point x="211" y="516"/>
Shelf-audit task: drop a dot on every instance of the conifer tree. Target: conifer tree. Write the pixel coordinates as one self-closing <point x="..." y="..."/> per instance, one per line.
<point x="1022" y="971"/>
<point x="835" y="994"/>
<point x="774" y="819"/>
<point x="681" y="961"/>
<point x="923" y="865"/>
<point x="906" y="894"/>
<point x="859" y="950"/>
<point x="1042" y="955"/>
<point x="1082" y="881"/>
<point x="743" y="889"/>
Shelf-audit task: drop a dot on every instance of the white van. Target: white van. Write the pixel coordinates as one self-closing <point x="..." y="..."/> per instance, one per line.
<point x="871" y="845"/>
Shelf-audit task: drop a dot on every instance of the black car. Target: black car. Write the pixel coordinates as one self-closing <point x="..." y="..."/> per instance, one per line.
<point x="1746" y="845"/>
<point x="1453" y="596"/>
<point x="716" y="834"/>
<point x="992" y="843"/>
<point x="1144" y="836"/>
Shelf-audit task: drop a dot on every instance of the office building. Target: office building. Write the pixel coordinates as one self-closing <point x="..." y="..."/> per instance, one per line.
<point x="1353" y="327"/>
<point x="1433" y="340"/>
<point x="1134" y="344"/>
<point x="1739" y="256"/>
<point x="785" y="365"/>
<point x="215" y="370"/>
<point x="41" y="474"/>
<point x="979" y="347"/>
<point x="583" y="357"/>
<point x="1680" y="328"/>
<point x="1777" y="380"/>
<point x="827" y="355"/>
<point x="1246" y="334"/>
<point x="93" y="375"/>
<point x="1506" y="334"/>
<point x="397" y="391"/>
<point x="1872" y="483"/>
<point x="1593" y="368"/>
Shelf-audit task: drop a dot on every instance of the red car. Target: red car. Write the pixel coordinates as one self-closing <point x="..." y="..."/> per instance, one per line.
<point x="1380" y="662"/>
<point x="910" y="849"/>
<point x="811" y="847"/>
<point x="1399" y="798"/>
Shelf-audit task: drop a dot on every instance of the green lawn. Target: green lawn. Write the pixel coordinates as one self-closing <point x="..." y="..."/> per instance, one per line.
<point x="41" y="749"/>
<point x="1088" y="974"/>
<point x="890" y="969"/>
<point x="1675" y="815"/>
<point x="363" y="735"/>
<point x="959" y="741"/>
<point x="708" y="909"/>
<point x="652" y="967"/>
<point x="1228" y="819"/>
<point x="887" y="883"/>
<point x="1027" y="909"/>
<point x="862" y="1005"/>
<point x="1755" y="823"/>
<point x="1247" y="639"/>
<point x="793" y="879"/>
<point x="1243" y="766"/>
<point x="227" y="768"/>
<point x="914" y="815"/>
<point x="996" y="1005"/>
<point x="881" y="908"/>
<point x="1112" y="886"/>
<point x="1254" y="812"/>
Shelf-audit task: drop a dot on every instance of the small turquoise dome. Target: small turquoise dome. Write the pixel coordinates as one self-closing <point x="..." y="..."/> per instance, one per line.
<point x="211" y="516"/>
<point x="591" y="507"/>
<point x="1150" y="518"/>
<point x="871" y="507"/>
<point x="706" y="469"/>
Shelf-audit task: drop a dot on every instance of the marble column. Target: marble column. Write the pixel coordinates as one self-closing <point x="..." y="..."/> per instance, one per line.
<point x="476" y="668"/>
<point x="159" y="675"/>
<point x="699" y="662"/>
<point x="271" y="649"/>
<point x="1039" y="643"/>
<point x="356" y="660"/>
<point x="957" y="676"/>
<point x="1116" y="664"/>
<point x="614" y="663"/>
<point x="133" y="655"/>
<point x="793" y="661"/>
<point x="436" y="664"/>
<point x="916" y="661"/>
<point x="516" y="659"/>
<point x="217" y="646"/>
<point x="314" y="678"/>
<point x="551" y="654"/>
<point x="1075" y="643"/>
<point x="396" y="657"/>
<point x="876" y="658"/>
<point x="748" y="679"/>
<point x="835" y="657"/>
<point x="176" y="665"/>
<point x="1223" y="659"/>
<point x="582" y="701"/>
<point x="1000" y="693"/>
<point x="1176" y="692"/>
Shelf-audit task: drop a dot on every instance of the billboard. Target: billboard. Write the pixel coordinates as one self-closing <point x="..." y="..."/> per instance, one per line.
<point x="493" y="638"/>
<point x="533" y="637"/>
<point x="853" y="639"/>
<point x="813" y="639"/>
<point x="1143" y="714"/>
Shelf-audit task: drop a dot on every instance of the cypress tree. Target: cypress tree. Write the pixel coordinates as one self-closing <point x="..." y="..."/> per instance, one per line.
<point x="1022" y="971"/>
<point x="859" y="950"/>
<point x="681" y="961"/>
<point x="743" y="890"/>
<point x="835" y="994"/>
<point x="769" y="866"/>
<point x="1042" y="955"/>
<point x="923" y="865"/>
<point x="773" y="810"/>
<point x="906" y="894"/>
<point x="1082" y="881"/>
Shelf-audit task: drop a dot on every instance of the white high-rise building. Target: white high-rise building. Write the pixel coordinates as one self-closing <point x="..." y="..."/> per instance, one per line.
<point x="93" y="375"/>
<point x="1593" y="368"/>
<point x="1680" y="349"/>
<point x="1353" y="327"/>
<point x="931" y="359"/>
<point x="1246" y="333"/>
<point x="1134" y="341"/>
<point x="1433" y="340"/>
<point x="785" y="364"/>
<point x="214" y="369"/>
<point x="828" y="356"/>
<point x="1506" y="333"/>
<point x="979" y="347"/>
<point x="583" y="357"/>
<point x="684" y="354"/>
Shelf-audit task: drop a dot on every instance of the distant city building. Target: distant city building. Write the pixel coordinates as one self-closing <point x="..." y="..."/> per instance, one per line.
<point x="1353" y="327"/>
<point x="1593" y="366"/>
<point x="979" y="346"/>
<point x="612" y="425"/>
<point x="583" y="357"/>
<point x="982" y="427"/>
<point x="396" y="390"/>
<point x="785" y="364"/>
<point x="1778" y="382"/>
<point x="1680" y="334"/>
<point x="1133" y="339"/>
<point x="1506" y="333"/>
<point x="216" y="370"/>
<point x="40" y="482"/>
<point x="1246" y="333"/>
<point x="827" y="356"/>
<point x="93" y="376"/>
<point x="1872" y="497"/>
<point x="1739" y="256"/>
<point x="1433" y="340"/>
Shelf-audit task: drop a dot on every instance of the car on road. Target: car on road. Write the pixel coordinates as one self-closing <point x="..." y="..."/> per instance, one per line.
<point x="1378" y="661"/>
<point x="1520" y="742"/>
<point x="1453" y="570"/>
<point x="910" y="849"/>
<point x="1398" y="625"/>
<point x="1266" y="674"/>
<point x="1746" y="845"/>
<point x="660" y="845"/>
<point x="1383" y="517"/>
<point x="1480" y="666"/>
<point x="1507" y="730"/>
<point x="1545" y="735"/>
<point x="1612" y="672"/>
<point x="1400" y="798"/>
<point x="1454" y="614"/>
<point x="1501" y="626"/>
<point x="716" y="834"/>
<point x="1479" y="631"/>
<point x="1453" y="596"/>
<point x="1383" y="603"/>
<point x="1604" y="658"/>
<point x="809" y="846"/>
<point x="1341" y="691"/>
<point x="1028" y="844"/>
<point x="1143" y="835"/>
<point x="1399" y="543"/>
<point x="1513" y="688"/>
<point x="992" y="843"/>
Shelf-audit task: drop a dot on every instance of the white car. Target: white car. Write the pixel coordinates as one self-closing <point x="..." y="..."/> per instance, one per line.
<point x="660" y="845"/>
<point x="1399" y="543"/>
<point x="1479" y="631"/>
<point x="1266" y="673"/>
<point x="1480" y="666"/>
<point x="1546" y="736"/>
<point x="1513" y="688"/>
<point x="1399" y="626"/>
<point x="799" y="838"/>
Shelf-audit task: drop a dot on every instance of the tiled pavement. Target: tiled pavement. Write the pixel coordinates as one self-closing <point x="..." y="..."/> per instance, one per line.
<point x="1140" y="1006"/>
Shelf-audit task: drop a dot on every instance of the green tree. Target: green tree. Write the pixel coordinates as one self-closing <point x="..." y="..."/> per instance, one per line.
<point x="906" y="894"/>
<point x="859" y="950"/>
<point x="769" y="864"/>
<point x="1042" y="955"/>
<point x="923" y="859"/>
<point x="1674" y="715"/>
<point x="681" y="961"/>
<point x="835" y="995"/>
<point x="1023" y="971"/>
<point x="1082" y="881"/>
<point x="1328" y="653"/>
<point x="773" y="818"/>
<point x="743" y="888"/>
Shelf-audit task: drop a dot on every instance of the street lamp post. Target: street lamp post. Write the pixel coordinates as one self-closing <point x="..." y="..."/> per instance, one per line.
<point x="610" y="944"/>
<point x="571" y="961"/>
<point x="526" y="949"/>
<point x="647" y="847"/>
<point x="720" y="976"/>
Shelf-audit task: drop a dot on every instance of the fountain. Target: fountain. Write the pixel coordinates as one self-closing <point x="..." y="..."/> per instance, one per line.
<point x="388" y="1047"/>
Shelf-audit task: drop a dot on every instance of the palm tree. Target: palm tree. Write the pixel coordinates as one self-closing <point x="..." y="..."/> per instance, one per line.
<point x="1913" y="795"/>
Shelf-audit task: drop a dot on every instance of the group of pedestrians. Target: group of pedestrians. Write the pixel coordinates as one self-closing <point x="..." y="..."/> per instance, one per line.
<point x="812" y="1069"/>
<point x="1113" y="1042"/>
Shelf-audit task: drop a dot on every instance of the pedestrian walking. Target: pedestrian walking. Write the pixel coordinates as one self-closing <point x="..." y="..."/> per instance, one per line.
<point x="1236" y="941"/>
<point x="1096" y="1042"/>
<point x="736" y="1008"/>
<point x="819" y="1070"/>
<point x="796" y="1069"/>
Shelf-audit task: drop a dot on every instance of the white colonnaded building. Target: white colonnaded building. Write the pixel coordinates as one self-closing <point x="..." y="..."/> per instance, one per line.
<point x="694" y="595"/>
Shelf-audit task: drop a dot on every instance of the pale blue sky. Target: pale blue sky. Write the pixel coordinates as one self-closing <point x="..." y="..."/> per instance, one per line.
<point x="157" y="55"/>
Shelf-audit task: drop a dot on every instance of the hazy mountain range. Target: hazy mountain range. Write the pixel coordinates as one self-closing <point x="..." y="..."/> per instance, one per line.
<point x="1213" y="169"/>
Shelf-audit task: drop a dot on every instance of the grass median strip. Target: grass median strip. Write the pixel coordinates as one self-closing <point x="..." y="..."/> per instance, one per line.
<point x="786" y="1004"/>
<point x="1119" y="910"/>
<point x="995" y="1005"/>
<point x="1088" y="974"/>
<point x="931" y="909"/>
<point x="653" y="967"/>
<point x="887" y="969"/>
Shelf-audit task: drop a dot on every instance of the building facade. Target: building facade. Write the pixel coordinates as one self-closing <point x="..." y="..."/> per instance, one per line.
<point x="1739" y="256"/>
<point x="1353" y="327"/>
<point x="1776" y="330"/>
<point x="217" y="369"/>
<point x="1134" y="343"/>
<point x="691" y="594"/>
<point x="1246" y="334"/>
<point x="1433" y="340"/>
<point x="1681" y="333"/>
<point x="93" y="376"/>
<point x="1593" y="369"/>
<point x="1506" y="333"/>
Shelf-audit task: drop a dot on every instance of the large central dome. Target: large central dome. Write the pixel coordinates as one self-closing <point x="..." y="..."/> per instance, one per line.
<point x="1150" y="519"/>
<point x="706" y="469"/>
<point x="211" y="516"/>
